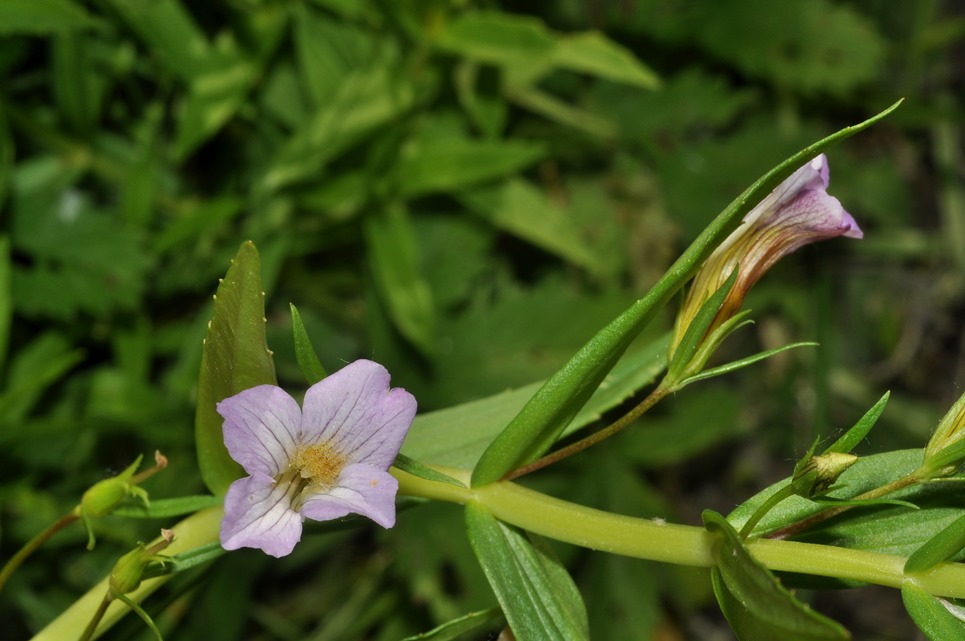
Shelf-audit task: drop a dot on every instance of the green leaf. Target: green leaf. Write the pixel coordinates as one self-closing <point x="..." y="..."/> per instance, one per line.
<point x="939" y="619"/>
<point x="457" y="436"/>
<point x="305" y="354"/>
<point x="941" y="547"/>
<point x="546" y="104"/>
<point x="423" y="471"/>
<point x="743" y="362"/>
<point x="169" y="32"/>
<point x="42" y="17"/>
<point x="539" y="598"/>
<point x="366" y="100"/>
<point x="394" y="261"/>
<point x="850" y="439"/>
<point x="6" y="299"/>
<point x="521" y="209"/>
<point x="755" y="603"/>
<point x="537" y="427"/>
<point x="474" y="622"/>
<point x="76" y="83"/>
<point x="499" y="38"/>
<point x="166" y="508"/>
<point x="455" y="163"/>
<point x="235" y="358"/>
<point x="595" y="54"/>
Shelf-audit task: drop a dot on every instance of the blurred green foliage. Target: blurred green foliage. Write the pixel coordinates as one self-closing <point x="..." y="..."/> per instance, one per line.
<point x="464" y="192"/>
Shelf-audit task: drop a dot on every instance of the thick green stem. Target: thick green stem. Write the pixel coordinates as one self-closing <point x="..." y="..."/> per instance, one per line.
<point x="656" y="540"/>
<point x="33" y="544"/>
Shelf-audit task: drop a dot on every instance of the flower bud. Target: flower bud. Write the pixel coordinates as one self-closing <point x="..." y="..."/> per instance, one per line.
<point x="104" y="496"/>
<point x="946" y="447"/>
<point x="814" y="475"/>
<point x="798" y="212"/>
<point x="128" y="572"/>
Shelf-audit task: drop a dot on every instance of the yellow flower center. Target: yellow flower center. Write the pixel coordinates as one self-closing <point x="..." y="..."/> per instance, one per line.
<point x="312" y="469"/>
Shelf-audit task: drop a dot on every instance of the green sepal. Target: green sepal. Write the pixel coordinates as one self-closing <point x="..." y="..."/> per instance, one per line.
<point x="693" y="337"/>
<point x="474" y="622"/>
<point x="938" y="549"/>
<point x="235" y="358"/>
<point x="741" y="363"/>
<point x="541" y="421"/>
<point x="139" y="611"/>
<point x="859" y="430"/>
<point x="754" y="602"/>
<point x="933" y="616"/>
<point x="423" y="471"/>
<point x="305" y="354"/>
<point x="539" y="598"/>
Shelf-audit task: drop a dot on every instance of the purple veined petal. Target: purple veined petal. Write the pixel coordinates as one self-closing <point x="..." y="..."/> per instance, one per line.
<point x="358" y="415"/>
<point x="260" y="427"/>
<point x="361" y="489"/>
<point x="258" y="514"/>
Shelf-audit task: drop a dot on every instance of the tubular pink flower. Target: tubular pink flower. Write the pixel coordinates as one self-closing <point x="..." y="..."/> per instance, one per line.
<point x="323" y="461"/>
<point x="798" y="212"/>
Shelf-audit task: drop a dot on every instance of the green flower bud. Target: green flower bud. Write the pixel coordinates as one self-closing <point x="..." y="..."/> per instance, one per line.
<point x="814" y="475"/>
<point x="946" y="448"/>
<point x="104" y="496"/>
<point x="128" y="572"/>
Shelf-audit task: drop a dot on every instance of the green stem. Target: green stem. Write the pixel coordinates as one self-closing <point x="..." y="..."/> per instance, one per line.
<point x="794" y="528"/>
<point x="198" y="529"/>
<point x="657" y="540"/>
<point x="766" y="507"/>
<point x="95" y="620"/>
<point x="33" y="544"/>
<point x="652" y="399"/>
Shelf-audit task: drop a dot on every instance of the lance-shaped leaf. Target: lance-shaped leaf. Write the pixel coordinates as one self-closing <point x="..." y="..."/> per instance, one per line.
<point x="859" y="430"/>
<point x="235" y="358"/>
<point x="305" y="354"/>
<point x="534" y="430"/>
<point x="941" y="547"/>
<point x="539" y="598"/>
<point x="939" y="619"/>
<point x="756" y="605"/>
<point x="474" y="622"/>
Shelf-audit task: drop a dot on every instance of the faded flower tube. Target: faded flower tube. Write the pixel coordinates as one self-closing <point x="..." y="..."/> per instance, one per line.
<point x="798" y="212"/>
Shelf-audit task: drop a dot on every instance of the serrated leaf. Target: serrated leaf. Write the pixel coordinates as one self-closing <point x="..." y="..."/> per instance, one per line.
<point x="537" y="427"/>
<point x="235" y="358"/>
<point x="41" y="17"/>
<point x="937" y="618"/>
<point x="539" y="598"/>
<point x="595" y="54"/>
<point x="850" y="439"/>
<point x="456" y="163"/>
<point x="474" y="622"/>
<point x="393" y="259"/>
<point x="305" y="354"/>
<point x="941" y="547"/>
<point x="521" y="209"/>
<point x="755" y="603"/>
<point x="166" y="508"/>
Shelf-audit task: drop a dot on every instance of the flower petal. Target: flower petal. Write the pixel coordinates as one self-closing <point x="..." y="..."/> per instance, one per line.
<point x="258" y="514"/>
<point x="361" y="489"/>
<point x="358" y="415"/>
<point x="259" y="428"/>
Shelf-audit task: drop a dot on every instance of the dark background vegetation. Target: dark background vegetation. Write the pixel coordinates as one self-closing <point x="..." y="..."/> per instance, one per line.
<point x="452" y="189"/>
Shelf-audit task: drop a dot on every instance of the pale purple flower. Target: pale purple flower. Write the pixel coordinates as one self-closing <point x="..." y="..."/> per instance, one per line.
<point x="322" y="461"/>
<point x="798" y="212"/>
